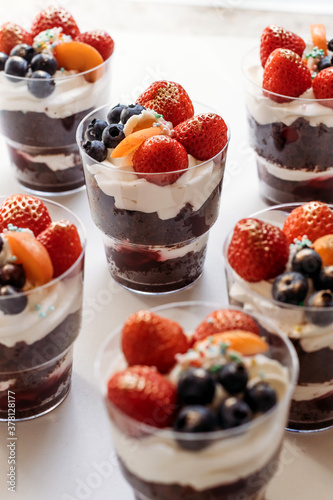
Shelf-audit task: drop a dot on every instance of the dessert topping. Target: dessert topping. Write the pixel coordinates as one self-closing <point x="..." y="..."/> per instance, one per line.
<point x="274" y="37"/>
<point x="324" y="246"/>
<point x="313" y="219"/>
<point x="100" y="40"/>
<point x="55" y="17"/>
<point x="12" y="34"/>
<point x="290" y="287"/>
<point x="323" y="85"/>
<point x="25" y="211"/>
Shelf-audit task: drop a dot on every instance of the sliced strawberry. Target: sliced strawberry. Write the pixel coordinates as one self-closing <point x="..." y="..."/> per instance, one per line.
<point x="313" y="219"/>
<point x="169" y="99"/>
<point x="257" y="250"/>
<point x="203" y="136"/>
<point x="274" y="37"/>
<point x="149" y="339"/>
<point x="159" y="154"/>
<point x="100" y="40"/>
<point x="144" y="394"/>
<point x="24" y="211"/>
<point x="63" y="243"/>
<point x="286" y="74"/>
<point x="224" y="320"/>
<point x="12" y="34"/>
<point x="55" y="17"/>
<point x="322" y="85"/>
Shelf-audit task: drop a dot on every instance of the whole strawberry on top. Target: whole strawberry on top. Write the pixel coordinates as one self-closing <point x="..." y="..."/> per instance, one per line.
<point x="274" y="37"/>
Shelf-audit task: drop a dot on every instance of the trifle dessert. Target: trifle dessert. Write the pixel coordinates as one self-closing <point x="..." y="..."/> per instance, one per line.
<point x="289" y="100"/>
<point x="50" y="78"/>
<point x="154" y="172"/>
<point x="279" y="263"/>
<point x="41" y="288"/>
<point x="198" y="398"/>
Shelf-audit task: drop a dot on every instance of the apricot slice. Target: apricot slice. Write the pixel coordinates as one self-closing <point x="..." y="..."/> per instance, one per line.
<point x="32" y="255"/>
<point x="318" y="35"/>
<point x="246" y="343"/>
<point x="133" y="141"/>
<point x="81" y="57"/>
<point x="324" y="246"/>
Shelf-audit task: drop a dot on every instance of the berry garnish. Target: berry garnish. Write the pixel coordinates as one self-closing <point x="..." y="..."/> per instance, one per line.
<point x="159" y="155"/>
<point x="113" y="115"/>
<point x="12" y="274"/>
<point x="149" y="339"/>
<point x="274" y="37"/>
<point x="319" y="301"/>
<point x="113" y="134"/>
<point x="16" y="66"/>
<point x="290" y="288"/>
<point x="257" y="250"/>
<point x="24" y="211"/>
<point x="54" y="17"/>
<point x="322" y="85"/>
<point x="96" y="150"/>
<point x="129" y="111"/>
<point x="15" y="303"/>
<point x="313" y="219"/>
<point x="100" y="40"/>
<point x="196" y="386"/>
<point x="233" y="377"/>
<point x="261" y="397"/>
<point x="133" y="141"/>
<point x="144" y="394"/>
<point x="323" y="63"/>
<point x="23" y="50"/>
<point x="203" y="136"/>
<point x="194" y="419"/>
<point x="324" y="280"/>
<point x="45" y="62"/>
<point x="3" y="60"/>
<point x="40" y="84"/>
<point x="307" y="262"/>
<point x="95" y="130"/>
<point x="168" y="99"/>
<point x="12" y="34"/>
<point x="233" y="412"/>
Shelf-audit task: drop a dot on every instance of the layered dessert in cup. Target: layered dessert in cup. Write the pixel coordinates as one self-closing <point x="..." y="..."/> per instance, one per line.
<point x="279" y="263"/>
<point x="50" y="78"/>
<point x="289" y="101"/>
<point x="154" y="172"/>
<point x="200" y="411"/>
<point x="42" y="247"/>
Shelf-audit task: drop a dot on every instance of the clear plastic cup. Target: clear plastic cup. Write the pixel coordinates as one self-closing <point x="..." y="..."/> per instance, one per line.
<point x="229" y="464"/>
<point x="155" y="237"/>
<point x="292" y="140"/>
<point x="312" y="401"/>
<point x="36" y="345"/>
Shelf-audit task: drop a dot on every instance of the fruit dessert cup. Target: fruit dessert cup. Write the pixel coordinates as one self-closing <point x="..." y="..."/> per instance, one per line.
<point x="50" y="78"/>
<point x="154" y="177"/>
<point x="279" y="263"/>
<point x="200" y="411"/>
<point x="289" y="105"/>
<point x="41" y="288"/>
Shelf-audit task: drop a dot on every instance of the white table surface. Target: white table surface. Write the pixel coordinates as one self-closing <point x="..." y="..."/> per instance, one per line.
<point x="68" y="454"/>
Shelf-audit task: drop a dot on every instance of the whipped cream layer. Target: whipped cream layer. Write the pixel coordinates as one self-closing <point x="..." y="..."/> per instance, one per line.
<point x="308" y="392"/>
<point x="293" y="175"/>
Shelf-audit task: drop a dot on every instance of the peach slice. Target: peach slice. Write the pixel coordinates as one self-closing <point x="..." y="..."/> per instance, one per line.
<point x="246" y="343"/>
<point x="324" y="246"/>
<point x="81" y="57"/>
<point x="32" y="255"/>
<point x="133" y="141"/>
<point x="318" y="35"/>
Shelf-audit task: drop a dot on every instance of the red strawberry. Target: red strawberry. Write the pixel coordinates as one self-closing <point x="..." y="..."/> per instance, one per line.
<point x="144" y="394"/>
<point x="159" y="154"/>
<point x="222" y="321"/>
<point x="274" y="37"/>
<point x="54" y="17"/>
<point x="12" y="34"/>
<point x="285" y="74"/>
<point x="203" y="136"/>
<point x="313" y="219"/>
<point x="98" y="39"/>
<point x="24" y="211"/>
<point x="258" y="250"/>
<point x="149" y="339"/>
<point x="63" y="243"/>
<point x="322" y="85"/>
<point x="169" y="99"/>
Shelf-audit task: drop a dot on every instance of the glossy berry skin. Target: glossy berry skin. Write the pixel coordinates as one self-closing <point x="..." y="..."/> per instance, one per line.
<point x="330" y="45"/>
<point x="323" y="63"/>
<point x="113" y="134"/>
<point x="12" y="274"/>
<point x="95" y="130"/>
<point x="131" y="110"/>
<point x="96" y="150"/>
<point x="44" y="62"/>
<point x="194" y="419"/>
<point x="113" y="115"/>
<point x="16" y="66"/>
<point x="233" y="377"/>
<point x="3" y="59"/>
<point x="261" y="397"/>
<point x="274" y="37"/>
<point x="319" y="301"/>
<point x="41" y="84"/>
<point x="100" y="40"/>
<point x="196" y="386"/>
<point x="324" y="280"/>
<point x="307" y="262"/>
<point x="23" y="50"/>
<point x="54" y="17"/>
<point x="313" y="219"/>
<point x="25" y="211"/>
<point x="11" y="35"/>
<point x="9" y="304"/>
<point x="322" y="84"/>
<point x="233" y="412"/>
<point x="290" y="287"/>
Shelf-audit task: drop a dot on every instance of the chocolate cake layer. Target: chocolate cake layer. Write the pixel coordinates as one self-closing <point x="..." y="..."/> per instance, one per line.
<point x="316" y="366"/>
<point x="314" y="414"/>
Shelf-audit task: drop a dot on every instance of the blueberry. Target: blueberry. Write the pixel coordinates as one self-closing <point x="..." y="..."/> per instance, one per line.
<point x="114" y="113"/>
<point x="307" y="261"/>
<point x="9" y="304"/>
<point x="330" y="45"/>
<point x="128" y="111"/>
<point x="233" y="412"/>
<point x="233" y="377"/>
<point x="3" y="59"/>
<point x="96" y="150"/>
<point x="44" y="62"/>
<point x="196" y="386"/>
<point x="261" y="397"/>
<point x="324" y="280"/>
<point x="95" y="129"/>
<point x="320" y="300"/>
<point x="41" y="84"/>
<point x="323" y="63"/>
<point x="112" y="135"/>
<point x="1" y="243"/>
<point x="194" y="419"/>
<point x="23" y="50"/>
<point x="16" y="66"/>
<point x="12" y="274"/>
<point x="290" y="288"/>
